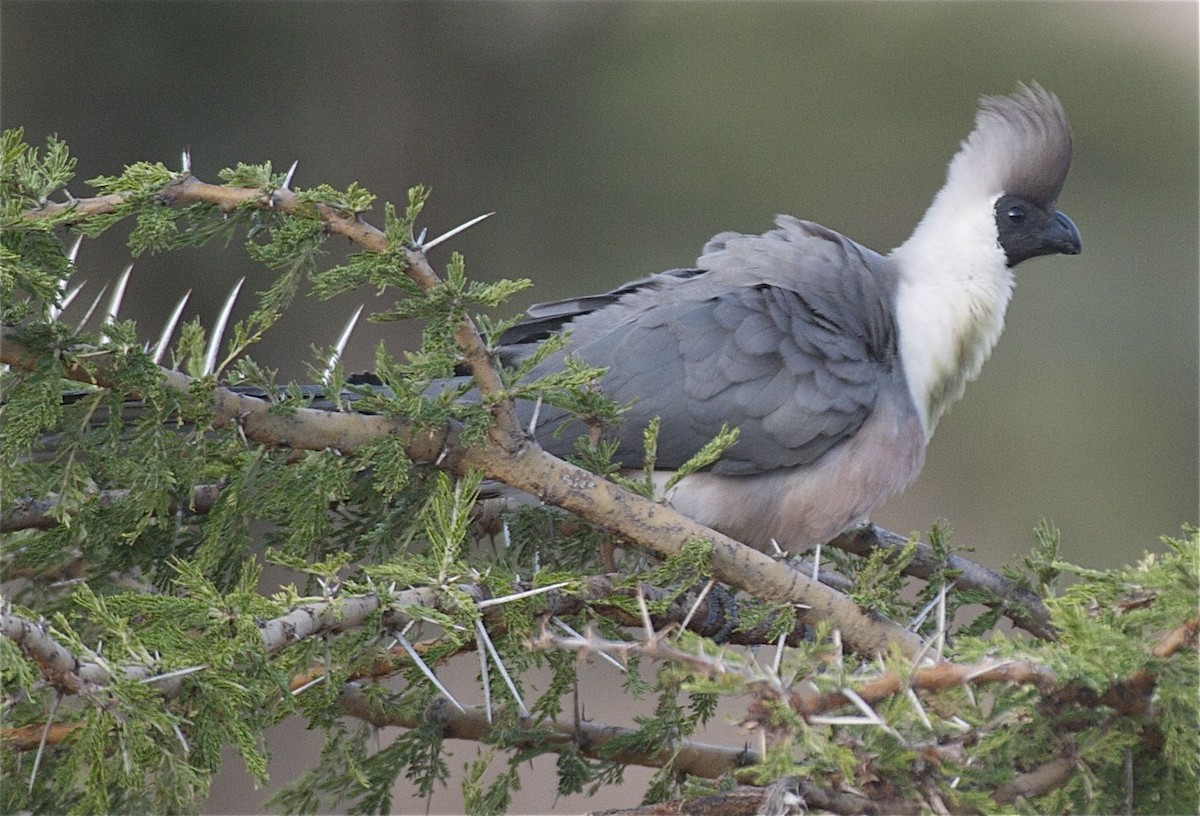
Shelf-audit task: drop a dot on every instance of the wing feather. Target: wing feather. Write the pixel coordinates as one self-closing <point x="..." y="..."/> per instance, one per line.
<point x="789" y="336"/>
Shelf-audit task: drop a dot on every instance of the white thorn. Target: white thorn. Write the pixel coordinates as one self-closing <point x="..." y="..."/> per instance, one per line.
<point x="516" y="596"/>
<point x="447" y="235"/>
<point x="318" y="679"/>
<point x="73" y="252"/>
<point x="641" y="599"/>
<point x="340" y="346"/>
<point x="816" y="573"/>
<point x="114" y="302"/>
<point x="537" y="410"/>
<point x="696" y="605"/>
<point x="920" y="709"/>
<point x="37" y="760"/>
<point x="88" y="315"/>
<point x="941" y="621"/>
<point x="182" y="739"/>
<point x="287" y="180"/>
<point x="56" y="311"/>
<point x="169" y="328"/>
<point x="487" y="641"/>
<point x="185" y="160"/>
<point x="485" y="676"/>
<point x="173" y="674"/>
<point x="428" y="672"/>
<point x="214" y="342"/>
<point x="561" y="624"/>
<point x="779" y="654"/>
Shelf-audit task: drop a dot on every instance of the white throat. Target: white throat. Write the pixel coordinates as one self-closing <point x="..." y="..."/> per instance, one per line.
<point x="953" y="289"/>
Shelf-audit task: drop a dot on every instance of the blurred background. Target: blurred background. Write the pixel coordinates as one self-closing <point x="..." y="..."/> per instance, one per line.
<point x="612" y="139"/>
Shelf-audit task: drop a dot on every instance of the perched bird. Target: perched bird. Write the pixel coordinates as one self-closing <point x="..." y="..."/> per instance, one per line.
<point x="835" y="362"/>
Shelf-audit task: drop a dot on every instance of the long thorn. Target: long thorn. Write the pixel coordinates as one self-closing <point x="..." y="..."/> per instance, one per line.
<point x="491" y="647"/>
<point x="37" y="760"/>
<point x="114" y="302"/>
<point x="516" y="596"/>
<point x="533" y="420"/>
<point x="88" y="315"/>
<point x="641" y="599"/>
<point x="448" y="235"/>
<point x="287" y="180"/>
<point x="779" y="654"/>
<point x="561" y="624"/>
<point x="214" y="342"/>
<point x="340" y="346"/>
<point x="696" y="605"/>
<point x="485" y="676"/>
<point x="428" y="672"/>
<point x="173" y="674"/>
<point x="56" y="311"/>
<point x="73" y="252"/>
<point x="320" y="678"/>
<point x="169" y="328"/>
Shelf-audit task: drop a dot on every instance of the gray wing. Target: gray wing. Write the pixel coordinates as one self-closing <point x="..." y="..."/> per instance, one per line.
<point x="787" y="336"/>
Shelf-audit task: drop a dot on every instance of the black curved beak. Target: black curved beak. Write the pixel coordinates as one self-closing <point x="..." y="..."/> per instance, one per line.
<point x="1063" y="236"/>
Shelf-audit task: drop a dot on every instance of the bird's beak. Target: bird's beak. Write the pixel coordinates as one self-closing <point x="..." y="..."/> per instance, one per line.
<point x="1063" y="236"/>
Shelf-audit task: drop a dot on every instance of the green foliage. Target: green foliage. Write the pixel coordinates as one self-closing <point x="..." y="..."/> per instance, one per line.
<point x="32" y="260"/>
<point x="150" y="567"/>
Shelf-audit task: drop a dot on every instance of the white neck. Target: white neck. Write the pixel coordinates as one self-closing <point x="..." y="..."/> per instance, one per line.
<point x="953" y="288"/>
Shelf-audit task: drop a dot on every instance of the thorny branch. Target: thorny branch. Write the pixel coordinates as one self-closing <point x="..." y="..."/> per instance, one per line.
<point x="807" y="702"/>
<point x="510" y="456"/>
<point x="1022" y="606"/>
<point x="591" y="739"/>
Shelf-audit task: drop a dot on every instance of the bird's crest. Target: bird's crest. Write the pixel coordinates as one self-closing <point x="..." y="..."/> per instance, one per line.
<point x="1021" y="145"/>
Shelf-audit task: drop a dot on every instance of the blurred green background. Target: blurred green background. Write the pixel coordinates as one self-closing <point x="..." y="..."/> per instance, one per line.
<point x="612" y="139"/>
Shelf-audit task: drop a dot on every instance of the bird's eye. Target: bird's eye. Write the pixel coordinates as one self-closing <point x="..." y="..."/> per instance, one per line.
<point x="1016" y="214"/>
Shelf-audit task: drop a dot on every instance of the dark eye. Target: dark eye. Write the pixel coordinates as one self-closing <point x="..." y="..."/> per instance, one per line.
<point x="1016" y="215"/>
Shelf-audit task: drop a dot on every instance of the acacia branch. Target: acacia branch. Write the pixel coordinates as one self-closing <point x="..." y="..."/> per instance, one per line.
<point x="39" y="514"/>
<point x="1023" y="607"/>
<point x="754" y="801"/>
<point x="188" y="190"/>
<point x="529" y="468"/>
<point x="590" y="739"/>
<point x="513" y="457"/>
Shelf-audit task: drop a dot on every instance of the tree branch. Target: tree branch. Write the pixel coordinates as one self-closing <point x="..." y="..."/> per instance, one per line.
<point x="591" y="739"/>
<point x="529" y="468"/>
<point x="39" y="514"/>
<point x="1023" y="607"/>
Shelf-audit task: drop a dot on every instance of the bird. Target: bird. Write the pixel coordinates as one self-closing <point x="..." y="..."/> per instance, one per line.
<point x="834" y="362"/>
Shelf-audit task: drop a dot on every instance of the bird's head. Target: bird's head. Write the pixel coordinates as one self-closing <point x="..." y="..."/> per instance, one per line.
<point x="1017" y="157"/>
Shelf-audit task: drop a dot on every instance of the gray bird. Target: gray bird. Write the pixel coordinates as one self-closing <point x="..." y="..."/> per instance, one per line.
<point x="834" y="361"/>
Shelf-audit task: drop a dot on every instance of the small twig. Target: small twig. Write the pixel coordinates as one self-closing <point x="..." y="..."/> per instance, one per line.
<point x="1041" y="780"/>
<point x="1178" y="638"/>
